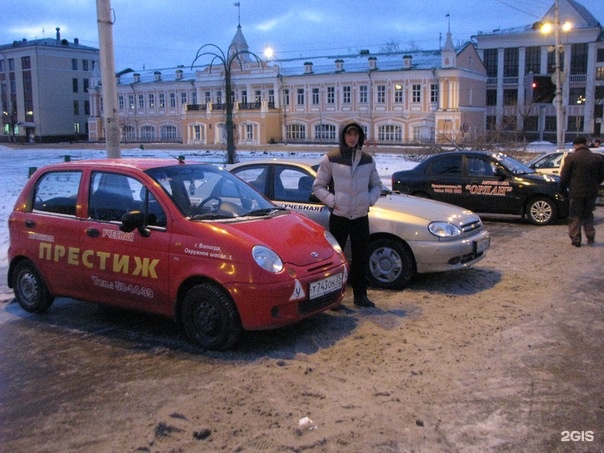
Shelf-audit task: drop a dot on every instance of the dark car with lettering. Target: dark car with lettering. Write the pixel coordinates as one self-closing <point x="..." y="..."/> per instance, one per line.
<point x="181" y="239"/>
<point x="485" y="183"/>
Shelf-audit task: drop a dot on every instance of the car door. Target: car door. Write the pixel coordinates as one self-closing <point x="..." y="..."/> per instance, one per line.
<point x="488" y="188"/>
<point x="446" y="179"/>
<point x="130" y="269"/>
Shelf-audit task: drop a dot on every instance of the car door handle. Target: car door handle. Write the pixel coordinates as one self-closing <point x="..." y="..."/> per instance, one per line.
<point x="92" y="232"/>
<point x="30" y="223"/>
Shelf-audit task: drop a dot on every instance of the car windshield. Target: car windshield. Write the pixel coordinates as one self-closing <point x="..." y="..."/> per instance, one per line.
<point x="206" y="192"/>
<point x="513" y="166"/>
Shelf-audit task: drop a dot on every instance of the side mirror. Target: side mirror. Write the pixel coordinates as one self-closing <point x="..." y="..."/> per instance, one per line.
<point x="500" y="173"/>
<point x="134" y="220"/>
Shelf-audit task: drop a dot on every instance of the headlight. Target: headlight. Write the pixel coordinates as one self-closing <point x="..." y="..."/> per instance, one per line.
<point x="443" y="229"/>
<point x="333" y="242"/>
<point x="267" y="259"/>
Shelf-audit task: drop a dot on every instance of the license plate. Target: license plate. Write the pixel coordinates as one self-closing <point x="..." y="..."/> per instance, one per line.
<point x="327" y="285"/>
<point x="482" y="245"/>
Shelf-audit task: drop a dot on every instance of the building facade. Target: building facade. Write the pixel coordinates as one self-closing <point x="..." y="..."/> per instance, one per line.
<point x="521" y="68"/>
<point x="44" y="89"/>
<point x="398" y="97"/>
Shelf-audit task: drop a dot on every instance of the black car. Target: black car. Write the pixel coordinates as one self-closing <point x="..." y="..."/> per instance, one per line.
<point x="485" y="183"/>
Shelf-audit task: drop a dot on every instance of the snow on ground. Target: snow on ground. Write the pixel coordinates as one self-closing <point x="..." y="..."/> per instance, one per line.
<point x="16" y="164"/>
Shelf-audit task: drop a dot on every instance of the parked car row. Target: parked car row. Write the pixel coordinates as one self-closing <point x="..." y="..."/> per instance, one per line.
<point x="223" y="251"/>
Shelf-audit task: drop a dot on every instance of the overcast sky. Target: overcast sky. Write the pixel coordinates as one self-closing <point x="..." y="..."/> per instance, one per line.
<point x="161" y="33"/>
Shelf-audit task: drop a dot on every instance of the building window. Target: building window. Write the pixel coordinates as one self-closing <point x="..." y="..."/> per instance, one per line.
<point x="416" y="92"/>
<point x="509" y="123"/>
<point x="76" y="108"/>
<point x="271" y="98"/>
<point x="86" y="85"/>
<point x="25" y="63"/>
<point x="331" y="95"/>
<point x="249" y="132"/>
<point x="363" y="94"/>
<point x="381" y="94"/>
<point x="151" y="100"/>
<point x="346" y="94"/>
<point x="87" y="108"/>
<point x="578" y="58"/>
<point x="491" y="123"/>
<point x="325" y="132"/>
<point x="296" y="131"/>
<point x="162" y="100"/>
<point x="434" y="93"/>
<point x="510" y="62"/>
<point x="129" y="132"/>
<point x="74" y="85"/>
<point x="141" y="101"/>
<point x="168" y="132"/>
<point x="491" y="97"/>
<point x="257" y="97"/>
<point x="244" y="97"/>
<point x="131" y="102"/>
<point x="208" y="97"/>
<point x="183" y="98"/>
<point x="398" y="94"/>
<point x="172" y="100"/>
<point x="300" y="96"/>
<point x="575" y="123"/>
<point x="74" y="64"/>
<point x="315" y="96"/>
<point x="85" y="65"/>
<point x="510" y="96"/>
<point x="600" y="55"/>
<point x="576" y="95"/>
<point x="390" y="133"/>
<point x="531" y="123"/>
<point x="600" y="73"/>
<point x="490" y="62"/>
<point x="286" y="97"/>
<point x="550" y="123"/>
<point x="532" y="60"/>
<point x="599" y="92"/>
<point x="148" y="133"/>
<point x="551" y="62"/>
<point x="120" y="102"/>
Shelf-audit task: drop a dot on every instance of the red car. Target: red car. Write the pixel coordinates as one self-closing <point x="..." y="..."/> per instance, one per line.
<point x="185" y="240"/>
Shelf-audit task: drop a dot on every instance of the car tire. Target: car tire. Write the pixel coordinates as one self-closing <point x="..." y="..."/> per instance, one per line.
<point x="391" y="264"/>
<point x="30" y="290"/>
<point x="210" y="318"/>
<point x="541" y="211"/>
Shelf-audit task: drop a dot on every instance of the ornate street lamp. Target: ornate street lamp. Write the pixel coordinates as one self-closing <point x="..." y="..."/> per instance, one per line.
<point x="226" y="61"/>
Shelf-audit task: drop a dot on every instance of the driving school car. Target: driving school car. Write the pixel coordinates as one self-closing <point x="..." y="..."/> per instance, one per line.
<point x="408" y="235"/>
<point x="184" y="240"/>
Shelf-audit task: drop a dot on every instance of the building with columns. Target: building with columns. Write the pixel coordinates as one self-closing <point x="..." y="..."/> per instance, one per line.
<point x="398" y="97"/>
<point x="521" y="69"/>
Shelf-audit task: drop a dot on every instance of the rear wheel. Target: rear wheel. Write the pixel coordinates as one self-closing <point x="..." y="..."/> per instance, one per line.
<point x="210" y="317"/>
<point x="541" y="211"/>
<point x="391" y="264"/>
<point x="30" y="290"/>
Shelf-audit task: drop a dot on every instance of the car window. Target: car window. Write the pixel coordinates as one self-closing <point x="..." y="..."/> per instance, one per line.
<point x="479" y="167"/>
<point x="255" y="176"/>
<point x="57" y="192"/>
<point x="112" y="195"/>
<point x="446" y="165"/>
<point x="292" y="184"/>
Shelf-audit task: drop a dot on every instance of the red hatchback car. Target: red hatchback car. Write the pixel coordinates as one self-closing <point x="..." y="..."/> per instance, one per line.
<point x="185" y="240"/>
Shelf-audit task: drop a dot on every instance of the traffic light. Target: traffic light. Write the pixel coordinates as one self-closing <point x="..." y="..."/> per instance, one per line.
<point x="544" y="89"/>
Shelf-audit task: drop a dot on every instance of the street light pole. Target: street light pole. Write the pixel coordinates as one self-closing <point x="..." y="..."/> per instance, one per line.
<point x="558" y="93"/>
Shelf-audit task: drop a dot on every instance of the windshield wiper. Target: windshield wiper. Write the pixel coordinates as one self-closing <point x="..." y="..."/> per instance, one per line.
<point x="263" y="211"/>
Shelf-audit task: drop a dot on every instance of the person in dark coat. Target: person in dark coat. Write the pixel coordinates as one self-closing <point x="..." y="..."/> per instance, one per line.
<point x="581" y="175"/>
<point x="348" y="183"/>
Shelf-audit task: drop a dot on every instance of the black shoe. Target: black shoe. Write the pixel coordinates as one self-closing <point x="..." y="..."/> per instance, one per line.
<point x="591" y="241"/>
<point x="363" y="301"/>
<point x="576" y="244"/>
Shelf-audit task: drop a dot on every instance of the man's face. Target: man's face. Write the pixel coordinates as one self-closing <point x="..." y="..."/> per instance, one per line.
<point x="351" y="137"/>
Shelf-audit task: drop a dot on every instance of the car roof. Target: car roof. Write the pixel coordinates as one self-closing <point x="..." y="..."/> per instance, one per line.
<point x="129" y="162"/>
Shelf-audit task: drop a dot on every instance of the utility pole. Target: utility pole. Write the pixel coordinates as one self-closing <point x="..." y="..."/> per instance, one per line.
<point x="105" y="23"/>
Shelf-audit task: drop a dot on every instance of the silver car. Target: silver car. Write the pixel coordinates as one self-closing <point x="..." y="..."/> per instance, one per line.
<point x="409" y="235"/>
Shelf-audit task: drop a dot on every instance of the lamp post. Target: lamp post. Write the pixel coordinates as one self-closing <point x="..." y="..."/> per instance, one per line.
<point x="558" y="99"/>
<point x="269" y="53"/>
<point x="226" y="61"/>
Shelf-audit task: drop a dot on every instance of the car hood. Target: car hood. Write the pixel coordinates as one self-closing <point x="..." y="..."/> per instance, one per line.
<point x="411" y="209"/>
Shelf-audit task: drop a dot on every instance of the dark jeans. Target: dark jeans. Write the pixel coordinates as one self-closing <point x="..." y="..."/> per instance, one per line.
<point x="581" y="213"/>
<point x="358" y="231"/>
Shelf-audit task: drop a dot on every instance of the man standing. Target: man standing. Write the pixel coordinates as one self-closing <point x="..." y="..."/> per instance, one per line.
<point x="581" y="174"/>
<point x="348" y="183"/>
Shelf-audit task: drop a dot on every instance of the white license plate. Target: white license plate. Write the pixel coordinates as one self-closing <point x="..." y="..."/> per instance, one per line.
<point x="327" y="285"/>
<point x="482" y="245"/>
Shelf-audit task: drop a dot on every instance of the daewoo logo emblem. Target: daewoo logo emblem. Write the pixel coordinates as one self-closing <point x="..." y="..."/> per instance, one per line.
<point x="314" y="254"/>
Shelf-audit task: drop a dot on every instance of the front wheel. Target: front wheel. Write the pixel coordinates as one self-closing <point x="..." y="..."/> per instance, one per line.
<point x="541" y="211"/>
<point x="391" y="264"/>
<point x="30" y="290"/>
<point x="210" y="317"/>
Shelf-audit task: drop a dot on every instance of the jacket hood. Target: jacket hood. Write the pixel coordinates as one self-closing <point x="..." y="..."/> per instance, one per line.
<point x="343" y="132"/>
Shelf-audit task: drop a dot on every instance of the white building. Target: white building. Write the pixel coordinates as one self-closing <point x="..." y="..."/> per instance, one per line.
<point x="518" y="57"/>
<point x="44" y="89"/>
<point x="398" y="97"/>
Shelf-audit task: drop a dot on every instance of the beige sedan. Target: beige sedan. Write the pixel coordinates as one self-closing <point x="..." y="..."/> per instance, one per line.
<point x="409" y="235"/>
